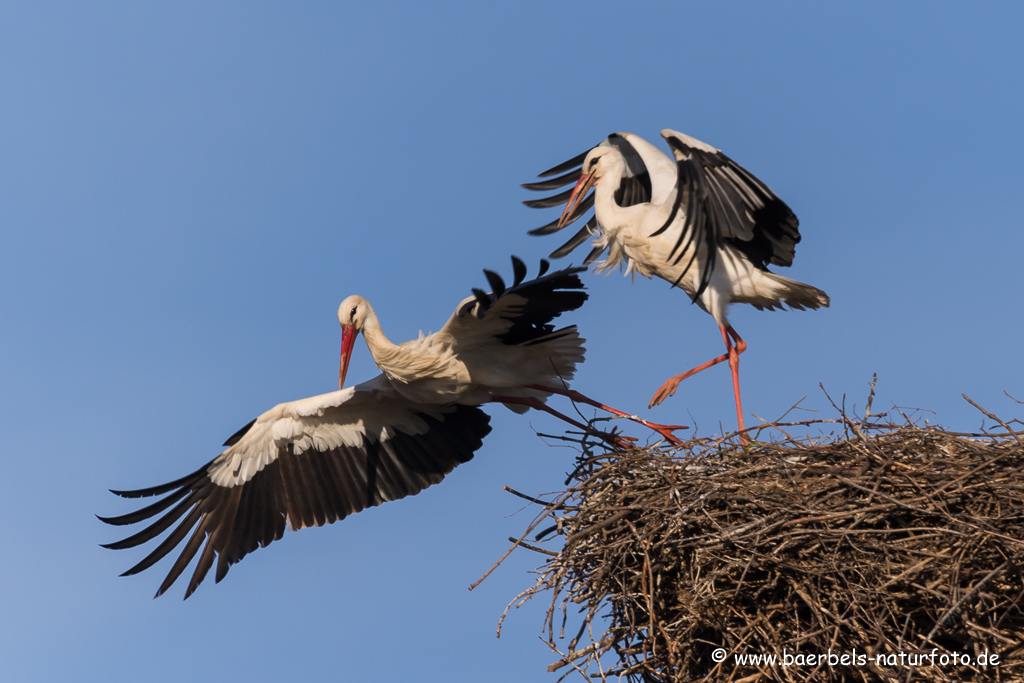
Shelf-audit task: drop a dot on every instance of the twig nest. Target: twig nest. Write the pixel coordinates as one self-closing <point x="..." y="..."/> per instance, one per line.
<point x="883" y="540"/>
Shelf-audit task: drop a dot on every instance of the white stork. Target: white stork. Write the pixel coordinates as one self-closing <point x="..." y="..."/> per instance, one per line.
<point x="703" y="223"/>
<point x="317" y="460"/>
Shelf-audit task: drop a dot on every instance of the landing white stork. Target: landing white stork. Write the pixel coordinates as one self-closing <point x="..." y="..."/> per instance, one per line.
<point x="317" y="460"/>
<point x="703" y="223"/>
<point x="505" y="352"/>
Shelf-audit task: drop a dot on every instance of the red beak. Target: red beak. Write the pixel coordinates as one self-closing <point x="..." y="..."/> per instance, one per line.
<point x="583" y="186"/>
<point x="348" y="340"/>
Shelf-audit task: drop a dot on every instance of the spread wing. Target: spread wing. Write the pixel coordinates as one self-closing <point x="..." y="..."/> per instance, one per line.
<point x="306" y="463"/>
<point x="718" y="202"/>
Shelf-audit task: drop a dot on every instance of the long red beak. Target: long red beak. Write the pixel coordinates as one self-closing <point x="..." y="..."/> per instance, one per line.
<point x="583" y="186"/>
<point x="348" y="340"/>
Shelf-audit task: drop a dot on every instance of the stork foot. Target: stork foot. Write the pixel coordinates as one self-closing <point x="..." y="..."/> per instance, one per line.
<point x="665" y="390"/>
<point x="613" y="439"/>
<point x="619" y="441"/>
<point x="666" y="431"/>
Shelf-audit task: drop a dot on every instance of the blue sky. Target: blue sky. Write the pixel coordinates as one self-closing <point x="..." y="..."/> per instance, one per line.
<point x="187" y="190"/>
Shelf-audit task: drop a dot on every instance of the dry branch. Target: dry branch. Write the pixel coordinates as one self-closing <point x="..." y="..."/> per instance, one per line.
<point x="885" y="538"/>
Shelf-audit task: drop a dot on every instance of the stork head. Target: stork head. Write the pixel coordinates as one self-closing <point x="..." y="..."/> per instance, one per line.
<point x="352" y="315"/>
<point x="595" y="165"/>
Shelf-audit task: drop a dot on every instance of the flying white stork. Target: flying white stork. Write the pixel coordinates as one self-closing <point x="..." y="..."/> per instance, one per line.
<point x="317" y="460"/>
<point x="701" y="222"/>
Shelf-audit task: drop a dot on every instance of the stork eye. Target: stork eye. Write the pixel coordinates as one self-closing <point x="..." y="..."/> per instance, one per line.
<point x="352" y="313"/>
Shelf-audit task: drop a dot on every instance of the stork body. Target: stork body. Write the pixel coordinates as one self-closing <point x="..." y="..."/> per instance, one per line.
<point x="317" y="460"/>
<point x="468" y="360"/>
<point x="701" y="222"/>
<point x="498" y="347"/>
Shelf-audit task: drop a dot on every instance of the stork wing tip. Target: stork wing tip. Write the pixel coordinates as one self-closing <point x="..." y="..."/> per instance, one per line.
<point x="495" y="281"/>
<point x="518" y="270"/>
<point x="483" y="301"/>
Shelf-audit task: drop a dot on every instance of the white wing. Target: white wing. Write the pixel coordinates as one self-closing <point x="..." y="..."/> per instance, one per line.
<point x="305" y="463"/>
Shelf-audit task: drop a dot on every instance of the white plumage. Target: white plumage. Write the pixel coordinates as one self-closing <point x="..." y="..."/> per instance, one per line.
<point x="345" y="418"/>
<point x="317" y="460"/>
<point x="701" y="222"/>
<point x="497" y="347"/>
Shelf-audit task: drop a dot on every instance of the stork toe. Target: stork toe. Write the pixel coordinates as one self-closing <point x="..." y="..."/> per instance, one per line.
<point x="664" y="391"/>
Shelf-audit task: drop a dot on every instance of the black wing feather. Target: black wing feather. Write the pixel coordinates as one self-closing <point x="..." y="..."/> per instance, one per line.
<point x="158" y="490"/>
<point x="548" y="202"/>
<point x="546" y="298"/>
<point x="547" y="228"/>
<point x="635" y="188"/>
<point x="737" y="208"/>
<point x="495" y="281"/>
<point x="555" y="183"/>
<point x="159" y="526"/>
<point x="585" y="233"/>
<point x="483" y="301"/>
<point x="565" y="165"/>
<point x="594" y="254"/>
<point x="237" y="436"/>
<point x="518" y="271"/>
<point x="146" y="512"/>
<point x="311" y="488"/>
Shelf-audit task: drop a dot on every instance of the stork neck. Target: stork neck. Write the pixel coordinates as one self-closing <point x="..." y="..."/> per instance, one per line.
<point x="378" y="343"/>
<point x="406" y="364"/>
<point x="610" y="214"/>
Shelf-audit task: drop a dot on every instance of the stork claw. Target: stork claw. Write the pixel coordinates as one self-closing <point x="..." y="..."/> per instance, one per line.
<point x="664" y="391"/>
<point x="666" y="431"/>
<point x="616" y="439"/>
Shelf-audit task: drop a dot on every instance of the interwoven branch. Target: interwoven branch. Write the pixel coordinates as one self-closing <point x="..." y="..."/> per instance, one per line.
<point x="884" y="538"/>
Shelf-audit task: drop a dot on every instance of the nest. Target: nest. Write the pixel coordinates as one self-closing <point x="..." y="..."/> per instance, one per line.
<point x="894" y="544"/>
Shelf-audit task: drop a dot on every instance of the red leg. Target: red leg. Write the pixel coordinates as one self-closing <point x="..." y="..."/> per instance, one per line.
<point x="664" y="430"/>
<point x="669" y="387"/>
<point x="734" y="365"/>
<point x="612" y="439"/>
<point x="732" y="354"/>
